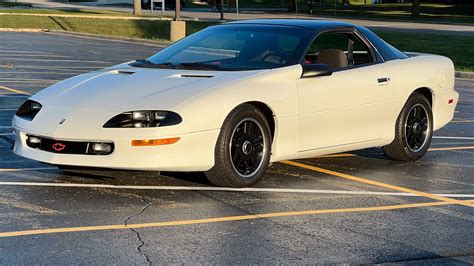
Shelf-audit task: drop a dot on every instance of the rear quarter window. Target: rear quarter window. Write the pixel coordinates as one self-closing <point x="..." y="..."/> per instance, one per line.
<point x="387" y="51"/>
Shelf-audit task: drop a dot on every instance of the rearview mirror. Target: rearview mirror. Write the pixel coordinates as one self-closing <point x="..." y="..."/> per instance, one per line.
<point x="315" y="70"/>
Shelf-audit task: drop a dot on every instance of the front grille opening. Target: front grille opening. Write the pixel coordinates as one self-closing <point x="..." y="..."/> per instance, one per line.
<point x="69" y="147"/>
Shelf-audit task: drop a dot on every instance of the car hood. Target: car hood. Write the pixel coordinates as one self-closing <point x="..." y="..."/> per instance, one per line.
<point x="124" y="88"/>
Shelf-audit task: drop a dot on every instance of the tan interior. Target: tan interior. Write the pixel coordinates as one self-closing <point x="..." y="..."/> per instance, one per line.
<point x="334" y="58"/>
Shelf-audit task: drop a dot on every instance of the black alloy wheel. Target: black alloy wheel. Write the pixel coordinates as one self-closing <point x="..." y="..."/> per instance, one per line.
<point x="243" y="148"/>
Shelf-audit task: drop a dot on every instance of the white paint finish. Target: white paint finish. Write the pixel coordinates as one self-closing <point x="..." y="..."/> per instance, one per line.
<point x="428" y="71"/>
<point x="348" y="107"/>
<point x="225" y="189"/>
<point x="324" y="115"/>
<point x="193" y="152"/>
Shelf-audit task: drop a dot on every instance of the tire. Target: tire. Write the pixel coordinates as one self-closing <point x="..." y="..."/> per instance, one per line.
<point x="413" y="130"/>
<point x="242" y="152"/>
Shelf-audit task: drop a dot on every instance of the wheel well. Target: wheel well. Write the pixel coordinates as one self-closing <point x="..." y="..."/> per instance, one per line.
<point x="427" y="93"/>
<point x="268" y="113"/>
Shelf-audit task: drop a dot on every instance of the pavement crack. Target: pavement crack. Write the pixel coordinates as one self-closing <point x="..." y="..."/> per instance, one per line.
<point x="140" y="240"/>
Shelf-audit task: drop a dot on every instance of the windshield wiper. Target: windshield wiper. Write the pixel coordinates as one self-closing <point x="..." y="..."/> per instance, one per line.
<point x="193" y="65"/>
<point x="199" y="65"/>
<point x="207" y="66"/>
<point x="148" y="63"/>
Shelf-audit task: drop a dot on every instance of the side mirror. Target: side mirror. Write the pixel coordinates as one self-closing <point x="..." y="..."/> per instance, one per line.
<point x="315" y="70"/>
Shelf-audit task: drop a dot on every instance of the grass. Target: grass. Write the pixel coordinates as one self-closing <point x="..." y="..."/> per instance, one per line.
<point x="13" y="4"/>
<point x="155" y="30"/>
<point x="458" y="48"/>
<point x="64" y="11"/>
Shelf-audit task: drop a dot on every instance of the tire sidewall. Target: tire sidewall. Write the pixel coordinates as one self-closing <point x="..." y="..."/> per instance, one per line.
<point x="414" y="99"/>
<point x="239" y="114"/>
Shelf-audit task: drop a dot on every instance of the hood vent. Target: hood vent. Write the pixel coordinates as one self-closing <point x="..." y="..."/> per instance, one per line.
<point x="196" y="76"/>
<point x="123" y="72"/>
<point x="120" y="72"/>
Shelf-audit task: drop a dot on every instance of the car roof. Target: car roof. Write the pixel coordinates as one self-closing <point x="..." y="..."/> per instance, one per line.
<point x="302" y="23"/>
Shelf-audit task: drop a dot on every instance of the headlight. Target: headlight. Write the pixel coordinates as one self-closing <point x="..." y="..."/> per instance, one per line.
<point x="28" y="110"/>
<point x="146" y="118"/>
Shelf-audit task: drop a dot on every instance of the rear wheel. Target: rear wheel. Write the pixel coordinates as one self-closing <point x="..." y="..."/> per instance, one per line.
<point x="242" y="151"/>
<point x="413" y="131"/>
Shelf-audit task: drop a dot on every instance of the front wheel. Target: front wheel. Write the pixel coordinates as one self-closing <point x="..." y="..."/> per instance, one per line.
<point x="413" y="131"/>
<point x="242" y="151"/>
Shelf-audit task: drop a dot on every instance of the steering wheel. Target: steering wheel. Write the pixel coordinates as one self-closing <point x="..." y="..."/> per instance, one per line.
<point x="279" y="54"/>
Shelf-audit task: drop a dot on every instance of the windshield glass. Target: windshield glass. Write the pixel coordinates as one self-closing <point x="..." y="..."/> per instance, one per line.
<point x="237" y="47"/>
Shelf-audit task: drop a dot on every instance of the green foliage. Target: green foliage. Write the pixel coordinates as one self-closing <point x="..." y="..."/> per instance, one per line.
<point x="13" y="4"/>
<point x="457" y="48"/>
<point x="157" y="30"/>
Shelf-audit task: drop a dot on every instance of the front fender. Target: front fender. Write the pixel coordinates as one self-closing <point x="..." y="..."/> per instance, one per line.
<point x="275" y="88"/>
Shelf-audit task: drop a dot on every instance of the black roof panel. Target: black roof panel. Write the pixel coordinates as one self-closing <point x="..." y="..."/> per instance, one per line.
<point x="303" y="23"/>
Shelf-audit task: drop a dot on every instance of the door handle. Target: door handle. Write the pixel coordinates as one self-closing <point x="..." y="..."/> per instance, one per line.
<point x="383" y="81"/>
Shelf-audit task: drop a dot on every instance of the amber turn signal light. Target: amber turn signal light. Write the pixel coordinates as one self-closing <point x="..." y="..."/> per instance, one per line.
<point x="154" y="142"/>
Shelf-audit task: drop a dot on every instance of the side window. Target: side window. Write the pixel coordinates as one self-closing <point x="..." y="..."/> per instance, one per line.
<point x="338" y="50"/>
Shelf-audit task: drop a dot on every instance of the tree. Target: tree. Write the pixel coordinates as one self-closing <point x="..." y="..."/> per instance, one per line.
<point x="137" y="7"/>
<point x="415" y="8"/>
<point x="291" y="5"/>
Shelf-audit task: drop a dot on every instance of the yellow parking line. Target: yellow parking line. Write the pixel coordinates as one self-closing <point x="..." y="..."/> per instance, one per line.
<point x="220" y="219"/>
<point x="13" y="90"/>
<point x="452" y="148"/>
<point x="376" y="183"/>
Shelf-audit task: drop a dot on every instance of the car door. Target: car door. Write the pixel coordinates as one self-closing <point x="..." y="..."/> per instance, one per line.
<point x="349" y="107"/>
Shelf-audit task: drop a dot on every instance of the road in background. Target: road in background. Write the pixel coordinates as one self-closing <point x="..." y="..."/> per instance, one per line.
<point x="207" y="14"/>
<point x="333" y="219"/>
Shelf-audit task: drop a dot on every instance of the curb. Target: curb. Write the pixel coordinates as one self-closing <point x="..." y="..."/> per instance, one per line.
<point x="148" y="18"/>
<point x="22" y="30"/>
<point x="464" y="75"/>
<point x="88" y="16"/>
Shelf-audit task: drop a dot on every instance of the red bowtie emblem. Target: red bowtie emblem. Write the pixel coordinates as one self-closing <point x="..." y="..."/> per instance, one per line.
<point x="58" y="146"/>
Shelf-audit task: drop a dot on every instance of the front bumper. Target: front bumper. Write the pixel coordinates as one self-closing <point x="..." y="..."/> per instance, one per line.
<point x="193" y="152"/>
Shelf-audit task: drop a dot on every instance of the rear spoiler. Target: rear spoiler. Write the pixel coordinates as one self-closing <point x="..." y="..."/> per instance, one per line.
<point x="413" y="54"/>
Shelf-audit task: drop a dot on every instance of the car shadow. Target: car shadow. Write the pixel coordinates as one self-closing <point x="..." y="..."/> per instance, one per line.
<point x="129" y="177"/>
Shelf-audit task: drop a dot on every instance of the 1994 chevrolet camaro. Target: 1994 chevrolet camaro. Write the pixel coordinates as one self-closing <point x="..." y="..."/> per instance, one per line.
<point x="232" y="98"/>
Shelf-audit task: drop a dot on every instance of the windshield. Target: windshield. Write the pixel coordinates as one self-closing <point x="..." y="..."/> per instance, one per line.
<point x="236" y="47"/>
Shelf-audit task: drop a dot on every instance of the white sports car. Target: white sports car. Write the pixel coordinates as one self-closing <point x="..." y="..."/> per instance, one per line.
<point x="232" y="98"/>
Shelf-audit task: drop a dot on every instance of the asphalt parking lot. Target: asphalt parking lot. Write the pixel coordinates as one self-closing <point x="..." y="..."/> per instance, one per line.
<point x="356" y="207"/>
